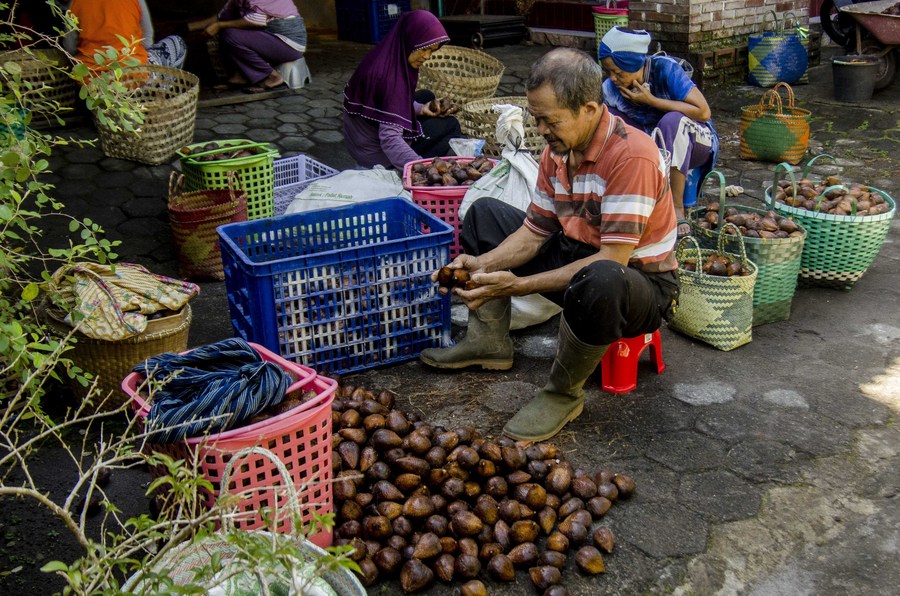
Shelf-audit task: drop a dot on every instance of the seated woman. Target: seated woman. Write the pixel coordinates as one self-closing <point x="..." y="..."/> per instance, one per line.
<point x="99" y="24"/>
<point x="385" y="121"/>
<point x="256" y="36"/>
<point x="655" y="92"/>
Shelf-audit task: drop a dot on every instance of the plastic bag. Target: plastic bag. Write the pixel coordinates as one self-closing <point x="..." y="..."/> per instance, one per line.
<point x="467" y="147"/>
<point x="513" y="181"/>
<point x="347" y="187"/>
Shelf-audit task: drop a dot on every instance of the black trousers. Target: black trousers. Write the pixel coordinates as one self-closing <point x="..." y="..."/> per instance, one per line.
<point x="603" y="302"/>
<point x="438" y="131"/>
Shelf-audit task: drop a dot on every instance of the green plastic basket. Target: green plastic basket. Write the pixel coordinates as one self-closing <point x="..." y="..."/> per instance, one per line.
<point x="256" y="173"/>
<point x="605" y="22"/>
<point x="838" y="248"/>
<point x="777" y="260"/>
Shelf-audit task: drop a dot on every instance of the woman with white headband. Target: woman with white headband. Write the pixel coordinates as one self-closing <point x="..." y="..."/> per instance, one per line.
<point x="655" y="92"/>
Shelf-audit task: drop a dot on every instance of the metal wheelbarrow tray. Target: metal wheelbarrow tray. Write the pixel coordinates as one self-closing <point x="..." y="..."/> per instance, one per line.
<point x="885" y="28"/>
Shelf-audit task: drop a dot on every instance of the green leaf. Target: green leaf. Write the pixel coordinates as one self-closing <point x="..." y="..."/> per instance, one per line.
<point x="13" y="68"/>
<point x="73" y="225"/>
<point x="30" y="292"/>
<point x="53" y="566"/>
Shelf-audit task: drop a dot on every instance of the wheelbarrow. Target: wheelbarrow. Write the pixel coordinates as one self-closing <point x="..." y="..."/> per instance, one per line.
<point x="882" y="20"/>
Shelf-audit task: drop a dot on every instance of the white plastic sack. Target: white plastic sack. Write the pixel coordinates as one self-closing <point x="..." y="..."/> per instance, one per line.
<point x="514" y="178"/>
<point x="347" y="187"/>
<point x="512" y="181"/>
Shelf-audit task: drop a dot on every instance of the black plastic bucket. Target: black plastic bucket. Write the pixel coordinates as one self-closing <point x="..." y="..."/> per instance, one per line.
<point x="854" y="77"/>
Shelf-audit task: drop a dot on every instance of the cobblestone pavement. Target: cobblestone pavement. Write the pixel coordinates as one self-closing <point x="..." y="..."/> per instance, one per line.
<point x="772" y="469"/>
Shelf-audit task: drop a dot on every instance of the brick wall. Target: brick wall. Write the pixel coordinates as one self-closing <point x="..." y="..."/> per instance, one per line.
<point x="712" y="34"/>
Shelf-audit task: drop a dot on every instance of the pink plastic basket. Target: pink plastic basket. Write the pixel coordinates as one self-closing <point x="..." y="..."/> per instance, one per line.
<point x="441" y="201"/>
<point x="300" y="438"/>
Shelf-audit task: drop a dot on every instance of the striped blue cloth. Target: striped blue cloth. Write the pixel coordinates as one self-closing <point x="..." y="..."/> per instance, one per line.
<point x="227" y="377"/>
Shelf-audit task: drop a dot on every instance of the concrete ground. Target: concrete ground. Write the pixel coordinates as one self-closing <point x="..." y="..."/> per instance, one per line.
<point x="772" y="469"/>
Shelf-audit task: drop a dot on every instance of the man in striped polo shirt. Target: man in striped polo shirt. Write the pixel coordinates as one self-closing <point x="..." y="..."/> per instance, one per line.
<point x="598" y="239"/>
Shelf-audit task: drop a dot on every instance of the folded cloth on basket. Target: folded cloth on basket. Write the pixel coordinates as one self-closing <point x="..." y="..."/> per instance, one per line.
<point x="210" y="389"/>
<point x="112" y="303"/>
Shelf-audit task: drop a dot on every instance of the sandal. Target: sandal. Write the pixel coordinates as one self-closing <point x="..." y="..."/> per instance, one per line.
<point x="255" y="89"/>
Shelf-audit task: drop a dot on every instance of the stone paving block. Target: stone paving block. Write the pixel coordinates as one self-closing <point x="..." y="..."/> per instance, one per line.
<point x="297" y="143"/>
<point x="230" y="129"/>
<point x="655" y="482"/>
<point x="762" y="460"/>
<point x="660" y="529"/>
<point x="719" y="496"/>
<point x="114" y="179"/>
<point x="80" y="171"/>
<point x="687" y="451"/>
<point x="327" y="136"/>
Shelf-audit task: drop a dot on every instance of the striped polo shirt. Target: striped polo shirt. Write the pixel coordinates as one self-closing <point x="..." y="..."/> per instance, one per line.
<point x="619" y="195"/>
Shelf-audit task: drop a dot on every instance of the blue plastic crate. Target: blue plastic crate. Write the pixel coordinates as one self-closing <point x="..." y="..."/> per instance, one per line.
<point x="293" y="174"/>
<point x="340" y="289"/>
<point x="367" y="21"/>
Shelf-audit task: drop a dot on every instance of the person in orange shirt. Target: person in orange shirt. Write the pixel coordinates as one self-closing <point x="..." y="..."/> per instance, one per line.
<point x="100" y="22"/>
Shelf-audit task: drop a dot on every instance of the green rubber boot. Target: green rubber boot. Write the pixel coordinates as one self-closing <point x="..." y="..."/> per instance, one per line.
<point x="486" y="344"/>
<point x="562" y="398"/>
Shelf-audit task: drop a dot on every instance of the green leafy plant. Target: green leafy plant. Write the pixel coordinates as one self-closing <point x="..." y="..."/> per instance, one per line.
<point x="31" y="357"/>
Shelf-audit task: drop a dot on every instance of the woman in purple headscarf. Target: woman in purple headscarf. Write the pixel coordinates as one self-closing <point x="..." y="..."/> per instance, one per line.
<point x="386" y="122"/>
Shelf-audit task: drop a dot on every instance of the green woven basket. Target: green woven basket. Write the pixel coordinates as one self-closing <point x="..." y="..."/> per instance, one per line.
<point x="256" y="173"/>
<point x="716" y="310"/>
<point x="778" y="260"/>
<point x="838" y="248"/>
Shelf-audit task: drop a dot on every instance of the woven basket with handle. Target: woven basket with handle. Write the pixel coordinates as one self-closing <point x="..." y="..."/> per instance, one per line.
<point x="773" y="131"/>
<point x="715" y="309"/>
<point x="194" y="217"/>
<point x="461" y="74"/>
<point x="839" y="248"/>
<point x="778" y="259"/>
<point x="478" y="120"/>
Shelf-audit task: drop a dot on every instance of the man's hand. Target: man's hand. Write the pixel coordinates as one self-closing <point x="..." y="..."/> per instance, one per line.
<point x="467" y="262"/>
<point x="490" y="286"/>
<point x="212" y="29"/>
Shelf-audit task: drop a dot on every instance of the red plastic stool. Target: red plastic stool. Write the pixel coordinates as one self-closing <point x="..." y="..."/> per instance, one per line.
<point x="620" y="363"/>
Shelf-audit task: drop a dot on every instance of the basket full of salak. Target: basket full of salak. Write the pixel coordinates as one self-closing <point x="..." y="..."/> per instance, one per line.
<point x="773" y="241"/>
<point x="846" y="222"/>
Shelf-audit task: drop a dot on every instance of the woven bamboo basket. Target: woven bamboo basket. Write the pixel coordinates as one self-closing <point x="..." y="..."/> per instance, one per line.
<point x="169" y="98"/>
<point x="47" y="73"/>
<point x="112" y="361"/>
<point x="777" y="259"/>
<point x="194" y="217"/>
<point x="461" y="74"/>
<point x="478" y="120"/>
<point x="715" y="309"/>
<point x="839" y="248"/>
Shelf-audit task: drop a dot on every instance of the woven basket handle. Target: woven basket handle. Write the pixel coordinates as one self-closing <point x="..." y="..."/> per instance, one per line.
<point x="176" y="185"/>
<point x="776" y="26"/>
<point x="717" y="174"/>
<point x="813" y="160"/>
<point x="787" y="168"/>
<point x="789" y="17"/>
<point x="790" y="93"/>
<point x="739" y="238"/>
<point x="680" y="249"/>
<point x="770" y="100"/>
<point x="234" y="184"/>
<point x="830" y="188"/>
<point x="293" y="500"/>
